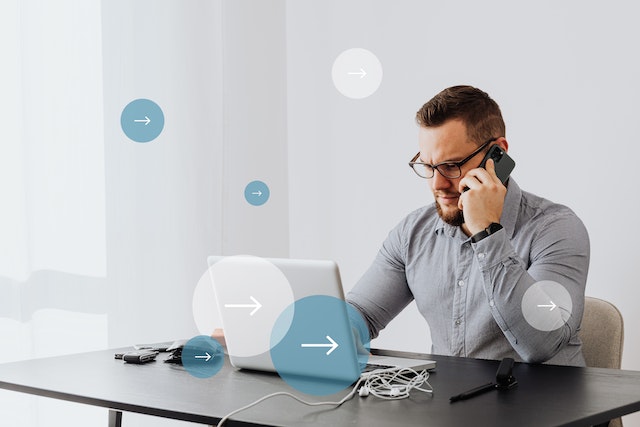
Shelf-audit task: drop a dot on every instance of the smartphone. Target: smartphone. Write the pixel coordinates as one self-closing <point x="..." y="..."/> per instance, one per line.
<point x="504" y="164"/>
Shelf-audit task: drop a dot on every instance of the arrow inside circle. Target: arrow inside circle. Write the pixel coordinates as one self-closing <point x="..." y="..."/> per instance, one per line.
<point x="207" y="357"/>
<point x="256" y="306"/>
<point x="549" y="306"/>
<point x="146" y="120"/>
<point x="360" y="73"/>
<point x="332" y="345"/>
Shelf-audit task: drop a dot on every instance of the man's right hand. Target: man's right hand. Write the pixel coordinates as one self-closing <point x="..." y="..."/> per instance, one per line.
<point x="218" y="335"/>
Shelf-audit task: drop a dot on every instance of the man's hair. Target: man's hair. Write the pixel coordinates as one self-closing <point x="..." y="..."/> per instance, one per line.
<point x="480" y="114"/>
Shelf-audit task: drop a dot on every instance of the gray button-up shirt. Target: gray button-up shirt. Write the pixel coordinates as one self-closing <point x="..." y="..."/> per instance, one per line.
<point x="471" y="294"/>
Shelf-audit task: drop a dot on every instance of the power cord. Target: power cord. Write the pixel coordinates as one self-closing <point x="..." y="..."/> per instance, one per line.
<point x="389" y="385"/>
<point x="293" y="396"/>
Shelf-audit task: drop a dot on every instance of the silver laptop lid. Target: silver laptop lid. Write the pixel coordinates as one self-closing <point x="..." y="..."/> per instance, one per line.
<point x="252" y="293"/>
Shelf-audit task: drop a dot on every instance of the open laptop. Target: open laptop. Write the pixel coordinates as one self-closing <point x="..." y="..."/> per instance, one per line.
<point x="267" y="308"/>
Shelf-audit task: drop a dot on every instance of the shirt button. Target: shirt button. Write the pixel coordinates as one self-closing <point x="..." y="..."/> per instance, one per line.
<point x="491" y="303"/>
<point x="460" y="282"/>
<point x="458" y="321"/>
<point x="481" y="256"/>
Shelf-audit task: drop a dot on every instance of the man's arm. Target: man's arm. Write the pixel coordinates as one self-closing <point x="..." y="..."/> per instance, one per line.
<point x="382" y="292"/>
<point x="559" y="253"/>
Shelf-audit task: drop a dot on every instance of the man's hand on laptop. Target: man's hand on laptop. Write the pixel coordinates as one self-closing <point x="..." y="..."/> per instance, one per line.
<point x="218" y="335"/>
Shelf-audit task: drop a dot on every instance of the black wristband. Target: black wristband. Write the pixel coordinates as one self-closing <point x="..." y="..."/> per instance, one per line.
<point x="494" y="227"/>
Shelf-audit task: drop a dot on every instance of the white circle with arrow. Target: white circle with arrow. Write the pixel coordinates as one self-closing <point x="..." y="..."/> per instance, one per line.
<point x="253" y="293"/>
<point x="546" y="305"/>
<point x="357" y="73"/>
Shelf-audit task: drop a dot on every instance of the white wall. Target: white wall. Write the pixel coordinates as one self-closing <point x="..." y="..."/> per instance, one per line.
<point x="254" y="127"/>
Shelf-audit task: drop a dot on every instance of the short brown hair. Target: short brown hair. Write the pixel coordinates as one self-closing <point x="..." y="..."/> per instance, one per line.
<point x="480" y="114"/>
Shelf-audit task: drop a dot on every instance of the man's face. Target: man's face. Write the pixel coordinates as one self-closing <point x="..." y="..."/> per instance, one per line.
<point x="447" y="142"/>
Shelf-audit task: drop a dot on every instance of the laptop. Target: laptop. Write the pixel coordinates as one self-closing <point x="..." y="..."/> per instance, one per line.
<point x="289" y="316"/>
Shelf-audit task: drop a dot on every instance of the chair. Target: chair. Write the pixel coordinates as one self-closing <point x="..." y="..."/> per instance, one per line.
<point x="602" y="335"/>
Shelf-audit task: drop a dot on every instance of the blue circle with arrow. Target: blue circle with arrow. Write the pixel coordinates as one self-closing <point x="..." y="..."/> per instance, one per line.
<point x="202" y="356"/>
<point x="142" y="120"/>
<point x="256" y="193"/>
<point x="323" y="349"/>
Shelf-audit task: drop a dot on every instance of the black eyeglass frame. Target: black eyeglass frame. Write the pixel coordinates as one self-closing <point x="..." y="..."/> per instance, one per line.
<point x="435" y="167"/>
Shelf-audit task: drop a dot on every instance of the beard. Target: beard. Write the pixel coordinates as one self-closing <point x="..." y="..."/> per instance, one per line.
<point x="455" y="218"/>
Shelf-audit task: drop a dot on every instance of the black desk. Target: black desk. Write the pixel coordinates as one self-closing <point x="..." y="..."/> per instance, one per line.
<point x="545" y="396"/>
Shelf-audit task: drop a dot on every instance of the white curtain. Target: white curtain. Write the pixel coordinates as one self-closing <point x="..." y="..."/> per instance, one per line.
<point x="52" y="163"/>
<point x="101" y="236"/>
<point x="52" y="187"/>
<point x="52" y="180"/>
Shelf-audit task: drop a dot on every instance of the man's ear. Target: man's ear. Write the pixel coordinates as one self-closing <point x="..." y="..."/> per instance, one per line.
<point x="503" y="143"/>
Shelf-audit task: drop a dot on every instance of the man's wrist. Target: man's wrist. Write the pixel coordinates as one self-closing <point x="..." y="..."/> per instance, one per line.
<point x="493" y="228"/>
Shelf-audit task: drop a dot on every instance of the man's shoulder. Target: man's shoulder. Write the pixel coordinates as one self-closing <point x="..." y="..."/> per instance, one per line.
<point x="542" y="215"/>
<point x="534" y="206"/>
<point x="543" y="224"/>
<point x="527" y="214"/>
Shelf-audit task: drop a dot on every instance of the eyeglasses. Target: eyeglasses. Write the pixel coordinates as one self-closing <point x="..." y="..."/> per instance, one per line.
<point x="449" y="170"/>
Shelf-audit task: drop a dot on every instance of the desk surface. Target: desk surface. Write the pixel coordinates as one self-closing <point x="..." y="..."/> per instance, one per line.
<point x="545" y="396"/>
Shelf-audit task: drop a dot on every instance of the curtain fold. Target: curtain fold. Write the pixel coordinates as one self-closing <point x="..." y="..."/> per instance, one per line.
<point x="53" y="180"/>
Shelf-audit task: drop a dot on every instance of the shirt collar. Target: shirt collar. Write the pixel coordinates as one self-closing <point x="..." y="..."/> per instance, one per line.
<point x="507" y="220"/>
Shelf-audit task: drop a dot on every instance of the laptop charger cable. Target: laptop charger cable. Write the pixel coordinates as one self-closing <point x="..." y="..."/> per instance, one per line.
<point x="389" y="385"/>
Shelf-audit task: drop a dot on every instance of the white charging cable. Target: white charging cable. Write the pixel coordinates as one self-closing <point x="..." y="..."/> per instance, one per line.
<point x="293" y="396"/>
<point x="390" y="385"/>
<point x="395" y="384"/>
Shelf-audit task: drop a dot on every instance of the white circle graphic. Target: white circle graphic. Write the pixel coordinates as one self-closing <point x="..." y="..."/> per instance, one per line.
<point x="251" y="293"/>
<point x="546" y="305"/>
<point x="205" y="310"/>
<point x="357" y="73"/>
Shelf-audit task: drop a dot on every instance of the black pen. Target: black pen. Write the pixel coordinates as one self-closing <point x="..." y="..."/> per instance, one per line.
<point x="473" y="392"/>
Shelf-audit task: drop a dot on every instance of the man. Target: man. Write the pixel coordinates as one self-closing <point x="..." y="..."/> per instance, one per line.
<point x="469" y="258"/>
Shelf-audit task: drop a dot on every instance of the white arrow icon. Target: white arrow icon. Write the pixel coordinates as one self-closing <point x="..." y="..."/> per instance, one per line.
<point x="332" y="345"/>
<point x="549" y="306"/>
<point x="256" y="306"/>
<point x="146" y="120"/>
<point x="257" y="193"/>
<point x="207" y="357"/>
<point x="360" y="73"/>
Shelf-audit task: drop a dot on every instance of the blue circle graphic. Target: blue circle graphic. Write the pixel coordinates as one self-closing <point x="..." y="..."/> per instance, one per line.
<point x="202" y="356"/>
<point x="142" y="120"/>
<point x="256" y="193"/>
<point x="324" y="349"/>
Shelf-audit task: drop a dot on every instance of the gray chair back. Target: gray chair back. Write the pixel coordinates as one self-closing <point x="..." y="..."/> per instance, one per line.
<point x="602" y="335"/>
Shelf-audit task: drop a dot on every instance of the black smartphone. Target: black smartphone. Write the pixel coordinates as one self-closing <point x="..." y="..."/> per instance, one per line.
<point x="504" y="164"/>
